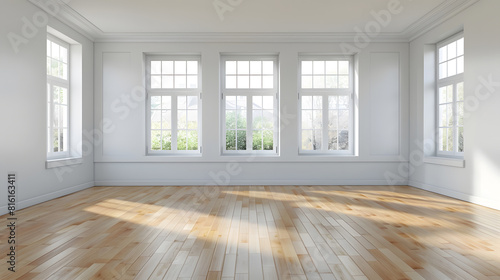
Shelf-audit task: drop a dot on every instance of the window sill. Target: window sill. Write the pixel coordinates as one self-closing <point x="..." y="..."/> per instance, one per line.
<point x="54" y="163"/>
<point x="453" y="162"/>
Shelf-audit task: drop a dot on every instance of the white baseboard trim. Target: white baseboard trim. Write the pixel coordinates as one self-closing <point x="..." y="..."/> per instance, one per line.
<point x="46" y="197"/>
<point x="110" y="183"/>
<point x="454" y="194"/>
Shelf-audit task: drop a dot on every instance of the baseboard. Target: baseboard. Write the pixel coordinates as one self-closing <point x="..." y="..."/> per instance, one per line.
<point x="46" y="197"/>
<point x="454" y="194"/>
<point x="242" y="182"/>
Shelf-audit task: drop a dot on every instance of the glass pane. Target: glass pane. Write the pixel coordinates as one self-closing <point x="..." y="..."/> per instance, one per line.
<point x="255" y="67"/>
<point x="257" y="102"/>
<point x="192" y="81"/>
<point x="256" y="82"/>
<point x="307" y="136"/>
<point x="257" y="140"/>
<point x="55" y="140"/>
<point x="460" y="47"/>
<point x="181" y="102"/>
<point x="460" y="91"/>
<point x="156" y="67"/>
<point x="155" y="140"/>
<point x="166" y="102"/>
<point x="267" y="82"/>
<point x="318" y="67"/>
<point x="63" y="52"/>
<point x="192" y="102"/>
<point x="343" y="81"/>
<point x="449" y="93"/>
<point x="230" y="140"/>
<point x="230" y="102"/>
<point x="64" y="71"/>
<point x="64" y="116"/>
<point x="268" y="140"/>
<point x="180" y="68"/>
<point x="63" y="140"/>
<point x="243" y="67"/>
<point x="460" y="65"/>
<point x="443" y="54"/>
<point x="318" y="102"/>
<point x="306" y="119"/>
<point x="307" y="102"/>
<point x="461" y="139"/>
<point x="156" y="119"/>
<point x="449" y="114"/>
<point x="317" y="119"/>
<point x="230" y="81"/>
<point x="180" y="81"/>
<point x="192" y="67"/>
<point x="243" y="81"/>
<point x="331" y="67"/>
<point x="268" y="102"/>
<point x="317" y="140"/>
<point x="48" y="48"/>
<point x="55" y="50"/>
<point x="155" y="81"/>
<point x="231" y="67"/>
<point x="166" y="119"/>
<point x="443" y="73"/>
<point x="319" y="82"/>
<point x="230" y="119"/>
<point x="192" y="143"/>
<point x="344" y="67"/>
<point x="166" y="141"/>
<point x="306" y="82"/>
<point x="181" y="119"/>
<point x="306" y="68"/>
<point x="442" y="139"/>
<point x="242" y="119"/>
<point x="268" y="67"/>
<point x="344" y="140"/>
<point x="241" y="102"/>
<point x="192" y="119"/>
<point x="332" y="140"/>
<point x="167" y="67"/>
<point x="63" y="96"/>
<point x="55" y="121"/>
<point x="442" y="95"/>
<point x="268" y="119"/>
<point x="452" y="50"/>
<point x="332" y="82"/>
<point x="460" y="113"/>
<point x="452" y="67"/>
<point x="450" y="140"/>
<point x="181" y="140"/>
<point x="344" y="102"/>
<point x="333" y="118"/>
<point x="344" y="119"/>
<point x="442" y="115"/>
<point x="155" y="102"/>
<point x="167" y="81"/>
<point x="332" y="102"/>
<point x="257" y="119"/>
<point x="241" y="140"/>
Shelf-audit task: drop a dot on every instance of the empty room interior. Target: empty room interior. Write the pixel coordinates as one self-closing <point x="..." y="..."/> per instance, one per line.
<point x="237" y="139"/>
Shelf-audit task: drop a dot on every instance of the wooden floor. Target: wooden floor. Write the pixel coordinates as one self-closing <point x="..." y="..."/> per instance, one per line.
<point x="319" y="232"/>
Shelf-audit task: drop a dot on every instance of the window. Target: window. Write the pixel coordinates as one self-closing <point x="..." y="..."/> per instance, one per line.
<point x="450" y="97"/>
<point x="174" y="101"/>
<point x="58" y="98"/>
<point x="325" y="95"/>
<point x="250" y="104"/>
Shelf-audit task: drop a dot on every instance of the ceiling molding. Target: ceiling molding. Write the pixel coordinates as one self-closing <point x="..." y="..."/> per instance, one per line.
<point x="69" y="16"/>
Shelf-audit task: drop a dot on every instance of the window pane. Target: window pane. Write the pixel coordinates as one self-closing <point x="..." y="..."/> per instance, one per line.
<point x="317" y="140"/>
<point x="192" y="81"/>
<point x="268" y="67"/>
<point x="319" y="82"/>
<point x="331" y="67"/>
<point x="344" y="140"/>
<point x="332" y="82"/>
<point x="242" y="140"/>
<point x="155" y="81"/>
<point x="180" y="68"/>
<point x="307" y="102"/>
<point x="192" y="67"/>
<point x="449" y="93"/>
<point x="443" y="54"/>
<point x="452" y="67"/>
<point x="461" y="139"/>
<point x="332" y="102"/>
<point x="267" y="82"/>
<point x="55" y="140"/>
<point x="344" y="67"/>
<point x="230" y="119"/>
<point x="257" y="119"/>
<point x="449" y="114"/>
<point x="344" y="102"/>
<point x="243" y="81"/>
<point x="242" y="102"/>
<point x="167" y="67"/>
<point x="460" y="113"/>
<point x="192" y="102"/>
<point x="343" y="81"/>
<point x="450" y="140"/>
<point x="192" y="119"/>
<point x="317" y="119"/>
<point x="442" y="139"/>
<point x="257" y="140"/>
<point x="452" y="50"/>
<point x="460" y="91"/>
<point x="63" y="52"/>
<point x="166" y="102"/>
<point x="306" y="68"/>
<point x="460" y="65"/>
<point x="318" y="67"/>
<point x="268" y="102"/>
<point x="317" y="102"/>
<point x="243" y="68"/>
<point x="230" y="81"/>
<point x="256" y="82"/>
<point x="344" y="119"/>
<point x="155" y="102"/>
<point x="155" y="140"/>
<point x="192" y="142"/>
<point x="180" y="81"/>
<point x="182" y="140"/>
<point x="166" y="141"/>
<point x="182" y="102"/>
<point x="442" y="95"/>
<point x="443" y="73"/>
<point x="166" y="119"/>
<point x="332" y="140"/>
<point x="156" y="67"/>
<point x="306" y="82"/>
<point x="63" y="140"/>
<point x="307" y="119"/>
<point x="333" y="118"/>
<point x="268" y="119"/>
<point x="230" y="67"/>
<point x="156" y="119"/>
<point x="307" y="136"/>
<point x="231" y="140"/>
<point x="442" y="115"/>
<point x="255" y="67"/>
<point x="230" y="102"/>
<point x="242" y="119"/>
<point x="181" y="119"/>
<point x="460" y="47"/>
<point x="268" y="140"/>
<point x="257" y="102"/>
<point x="64" y="116"/>
<point x="167" y="81"/>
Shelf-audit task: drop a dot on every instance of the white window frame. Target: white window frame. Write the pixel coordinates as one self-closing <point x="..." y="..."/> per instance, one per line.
<point x="53" y="82"/>
<point x="452" y="80"/>
<point x="249" y="93"/>
<point x="174" y="94"/>
<point x="325" y="93"/>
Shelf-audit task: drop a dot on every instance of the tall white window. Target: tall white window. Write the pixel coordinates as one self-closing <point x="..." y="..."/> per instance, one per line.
<point x="450" y="96"/>
<point x="58" y="96"/>
<point x="174" y="102"/>
<point x="326" y="102"/>
<point x="249" y="104"/>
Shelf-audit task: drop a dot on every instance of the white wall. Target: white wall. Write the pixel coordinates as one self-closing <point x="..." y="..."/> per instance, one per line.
<point x="121" y="158"/>
<point x="23" y="110"/>
<point x="479" y="181"/>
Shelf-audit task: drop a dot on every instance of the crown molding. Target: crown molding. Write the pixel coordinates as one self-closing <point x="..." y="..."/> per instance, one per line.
<point x="440" y="14"/>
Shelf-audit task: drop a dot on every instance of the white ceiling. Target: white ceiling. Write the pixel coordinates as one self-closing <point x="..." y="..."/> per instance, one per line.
<point x="246" y="15"/>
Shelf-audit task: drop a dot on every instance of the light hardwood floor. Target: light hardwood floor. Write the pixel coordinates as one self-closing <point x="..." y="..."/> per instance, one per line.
<point x="257" y="232"/>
